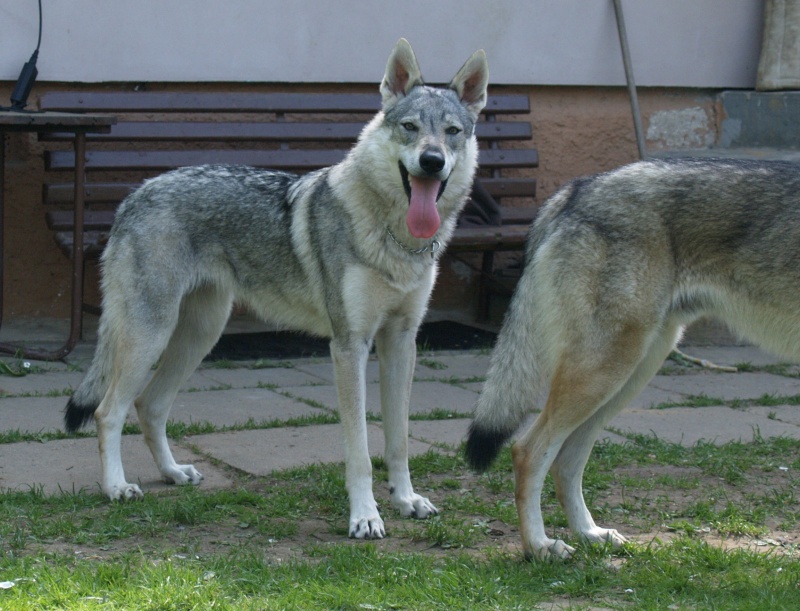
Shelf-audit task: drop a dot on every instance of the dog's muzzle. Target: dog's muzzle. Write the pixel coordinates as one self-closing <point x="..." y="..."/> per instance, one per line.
<point x="423" y="192"/>
<point x="407" y="184"/>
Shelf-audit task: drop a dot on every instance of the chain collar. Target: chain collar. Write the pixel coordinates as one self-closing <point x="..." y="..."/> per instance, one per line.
<point x="432" y="247"/>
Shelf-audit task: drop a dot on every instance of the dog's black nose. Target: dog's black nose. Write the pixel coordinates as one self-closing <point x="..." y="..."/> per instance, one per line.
<point x="432" y="161"/>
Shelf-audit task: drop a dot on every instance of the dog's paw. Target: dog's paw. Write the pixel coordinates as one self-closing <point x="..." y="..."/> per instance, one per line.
<point x="182" y="475"/>
<point x="367" y="528"/>
<point x="549" y="549"/>
<point x="124" y="492"/>
<point x="415" y="506"/>
<point x="605" y="535"/>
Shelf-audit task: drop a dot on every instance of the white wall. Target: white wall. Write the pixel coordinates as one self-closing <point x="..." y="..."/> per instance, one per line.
<point x="684" y="43"/>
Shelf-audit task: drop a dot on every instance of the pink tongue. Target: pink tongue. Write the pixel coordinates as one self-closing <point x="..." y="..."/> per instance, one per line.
<point x="423" y="217"/>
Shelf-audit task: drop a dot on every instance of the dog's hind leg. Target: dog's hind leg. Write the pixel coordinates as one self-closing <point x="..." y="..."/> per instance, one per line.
<point x="135" y="350"/>
<point x="567" y="469"/>
<point x="202" y="319"/>
<point x="588" y="373"/>
<point x="397" y="350"/>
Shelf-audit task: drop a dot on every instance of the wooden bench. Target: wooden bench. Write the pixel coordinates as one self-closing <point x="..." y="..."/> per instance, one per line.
<point x="298" y="132"/>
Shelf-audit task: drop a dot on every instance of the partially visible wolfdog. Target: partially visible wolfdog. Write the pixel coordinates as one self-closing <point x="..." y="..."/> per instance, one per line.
<point x="616" y="265"/>
<point x="348" y="252"/>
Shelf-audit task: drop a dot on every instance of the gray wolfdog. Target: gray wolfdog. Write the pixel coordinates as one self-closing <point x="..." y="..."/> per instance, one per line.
<point x="348" y="252"/>
<point x="615" y="266"/>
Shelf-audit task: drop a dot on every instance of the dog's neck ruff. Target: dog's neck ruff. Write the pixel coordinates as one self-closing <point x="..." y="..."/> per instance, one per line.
<point x="433" y="246"/>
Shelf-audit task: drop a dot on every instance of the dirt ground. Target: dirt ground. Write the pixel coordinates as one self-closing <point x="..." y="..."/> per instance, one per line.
<point x="647" y="515"/>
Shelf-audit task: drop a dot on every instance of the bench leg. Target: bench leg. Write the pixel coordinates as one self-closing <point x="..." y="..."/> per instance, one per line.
<point x="76" y="314"/>
<point x="487" y="266"/>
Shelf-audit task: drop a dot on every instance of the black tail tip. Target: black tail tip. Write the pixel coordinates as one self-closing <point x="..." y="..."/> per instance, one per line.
<point x="483" y="447"/>
<point x="77" y="416"/>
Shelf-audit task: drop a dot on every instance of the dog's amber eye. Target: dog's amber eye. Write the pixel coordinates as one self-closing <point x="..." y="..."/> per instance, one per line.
<point x="452" y="130"/>
<point x="409" y="126"/>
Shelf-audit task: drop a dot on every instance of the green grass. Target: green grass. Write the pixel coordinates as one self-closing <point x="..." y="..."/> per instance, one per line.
<point x="717" y="527"/>
<point x="279" y="542"/>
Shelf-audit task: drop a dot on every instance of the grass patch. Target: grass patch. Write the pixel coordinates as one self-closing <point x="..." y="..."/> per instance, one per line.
<point x="431" y="363"/>
<point x="280" y="542"/>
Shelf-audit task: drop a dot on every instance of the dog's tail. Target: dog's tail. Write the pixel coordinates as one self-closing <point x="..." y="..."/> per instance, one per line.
<point x="519" y="374"/>
<point x="87" y="397"/>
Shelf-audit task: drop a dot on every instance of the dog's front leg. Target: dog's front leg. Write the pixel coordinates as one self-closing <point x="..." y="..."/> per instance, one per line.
<point x="349" y="363"/>
<point x="397" y="353"/>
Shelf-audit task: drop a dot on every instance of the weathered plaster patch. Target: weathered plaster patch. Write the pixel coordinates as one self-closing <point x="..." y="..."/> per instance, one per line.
<point x="684" y="128"/>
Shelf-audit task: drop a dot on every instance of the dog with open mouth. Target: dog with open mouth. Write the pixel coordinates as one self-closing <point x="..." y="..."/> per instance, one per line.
<point x="349" y="252"/>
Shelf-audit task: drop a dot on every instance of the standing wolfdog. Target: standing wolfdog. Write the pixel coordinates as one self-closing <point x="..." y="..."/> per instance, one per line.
<point x="616" y="265"/>
<point x="348" y="252"/>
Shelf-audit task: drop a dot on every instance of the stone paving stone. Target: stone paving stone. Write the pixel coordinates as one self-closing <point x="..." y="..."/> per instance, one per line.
<point x="688" y="425"/>
<point x="649" y="397"/>
<point x="652" y="396"/>
<point x="733" y="355"/>
<point x="452" y="432"/>
<point x="251" y="378"/>
<point x="263" y="451"/>
<point x="73" y="465"/>
<point x="459" y="366"/>
<point x="40" y="383"/>
<point x="729" y="386"/>
<point x="789" y="414"/>
<point x="425" y="396"/>
<point x="32" y="414"/>
<point x="323" y="369"/>
<point x="237" y="406"/>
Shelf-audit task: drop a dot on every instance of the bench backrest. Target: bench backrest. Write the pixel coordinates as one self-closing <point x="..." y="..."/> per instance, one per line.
<point x="300" y="132"/>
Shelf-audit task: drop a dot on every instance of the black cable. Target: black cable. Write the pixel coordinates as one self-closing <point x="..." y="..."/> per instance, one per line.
<point x="39" y="41"/>
<point x="19" y="97"/>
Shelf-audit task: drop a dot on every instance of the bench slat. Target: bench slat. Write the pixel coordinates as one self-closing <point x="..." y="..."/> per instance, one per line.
<point x="131" y="101"/>
<point x="114" y="192"/>
<point x="146" y="131"/>
<point x="197" y="131"/>
<point x="277" y="159"/>
<point x="93" y="220"/>
<point x="93" y="243"/>
<point x="490" y="237"/>
<point x="495" y="238"/>
<point x="152" y="102"/>
<point x="101" y="220"/>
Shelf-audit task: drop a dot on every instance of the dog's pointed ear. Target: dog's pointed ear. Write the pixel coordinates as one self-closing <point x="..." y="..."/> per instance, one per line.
<point x="402" y="72"/>
<point x="471" y="81"/>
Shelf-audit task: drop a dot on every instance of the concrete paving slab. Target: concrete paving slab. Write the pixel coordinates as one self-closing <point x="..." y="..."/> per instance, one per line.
<point x="40" y="383"/>
<point x="237" y="406"/>
<point x="475" y="387"/>
<point x="688" y="425"/>
<point x="32" y="414"/>
<point x="73" y="465"/>
<point x="264" y="451"/>
<point x="323" y="369"/>
<point x="447" y="366"/>
<point x="728" y="386"/>
<point x="197" y="381"/>
<point x="734" y="355"/>
<point x="450" y="432"/>
<point x="651" y="397"/>
<point x="425" y="397"/>
<point x="789" y="414"/>
<point x="461" y="366"/>
<point x="251" y="378"/>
